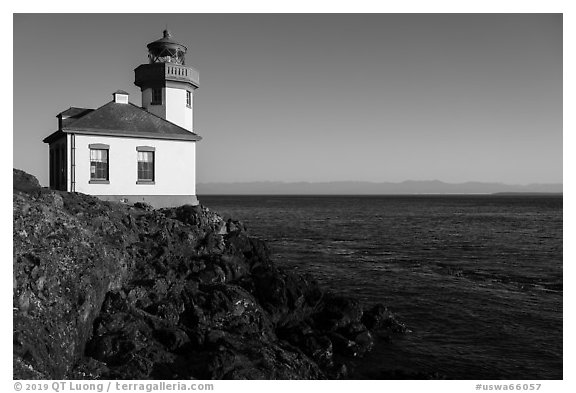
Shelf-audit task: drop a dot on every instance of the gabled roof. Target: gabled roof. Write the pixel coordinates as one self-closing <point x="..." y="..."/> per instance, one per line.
<point x="71" y="114"/>
<point x="74" y="112"/>
<point x="129" y="120"/>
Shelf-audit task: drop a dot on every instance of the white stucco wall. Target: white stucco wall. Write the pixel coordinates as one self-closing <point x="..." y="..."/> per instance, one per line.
<point x="173" y="108"/>
<point x="175" y="171"/>
<point x="177" y="111"/>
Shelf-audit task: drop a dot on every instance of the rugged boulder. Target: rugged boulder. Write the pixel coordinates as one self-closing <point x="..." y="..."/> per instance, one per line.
<point x="113" y="291"/>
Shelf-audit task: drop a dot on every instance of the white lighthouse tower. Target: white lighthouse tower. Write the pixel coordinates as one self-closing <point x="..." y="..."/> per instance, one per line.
<point x="167" y="84"/>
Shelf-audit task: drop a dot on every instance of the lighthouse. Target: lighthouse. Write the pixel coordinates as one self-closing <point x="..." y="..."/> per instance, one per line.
<point x="167" y="83"/>
<point x="127" y="153"/>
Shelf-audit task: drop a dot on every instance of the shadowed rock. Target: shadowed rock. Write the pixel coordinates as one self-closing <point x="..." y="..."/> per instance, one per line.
<point x="112" y="291"/>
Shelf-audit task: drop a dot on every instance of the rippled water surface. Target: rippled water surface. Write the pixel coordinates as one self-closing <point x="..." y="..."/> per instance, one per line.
<point x="477" y="279"/>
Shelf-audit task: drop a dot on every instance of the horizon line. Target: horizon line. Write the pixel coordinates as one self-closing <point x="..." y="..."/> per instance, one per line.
<point x="380" y="182"/>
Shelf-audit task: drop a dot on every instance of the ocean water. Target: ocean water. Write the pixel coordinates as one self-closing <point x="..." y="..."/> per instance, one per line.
<point x="476" y="279"/>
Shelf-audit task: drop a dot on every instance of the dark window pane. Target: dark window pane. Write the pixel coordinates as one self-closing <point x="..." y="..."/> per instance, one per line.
<point x="157" y="96"/>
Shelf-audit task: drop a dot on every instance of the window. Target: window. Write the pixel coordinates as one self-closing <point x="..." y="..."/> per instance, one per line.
<point x="189" y="99"/>
<point x="99" y="164"/>
<point x="156" y="96"/>
<point x="145" y="166"/>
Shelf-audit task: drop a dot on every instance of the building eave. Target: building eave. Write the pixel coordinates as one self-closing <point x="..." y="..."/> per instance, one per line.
<point x="54" y="136"/>
<point x="141" y="135"/>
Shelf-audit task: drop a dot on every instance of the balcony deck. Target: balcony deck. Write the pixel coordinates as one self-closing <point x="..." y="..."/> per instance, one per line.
<point x="148" y="74"/>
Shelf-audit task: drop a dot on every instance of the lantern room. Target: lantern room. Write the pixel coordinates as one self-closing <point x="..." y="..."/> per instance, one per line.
<point x="166" y="50"/>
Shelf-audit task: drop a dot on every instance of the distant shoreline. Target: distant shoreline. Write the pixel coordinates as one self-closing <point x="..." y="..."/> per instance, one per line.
<point x="409" y="187"/>
<point x="543" y="194"/>
<point x="530" y="193"/>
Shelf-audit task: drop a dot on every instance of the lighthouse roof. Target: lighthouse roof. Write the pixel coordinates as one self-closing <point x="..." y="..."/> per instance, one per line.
<point x="166" y="41"/>
<point x="124" y="120"/>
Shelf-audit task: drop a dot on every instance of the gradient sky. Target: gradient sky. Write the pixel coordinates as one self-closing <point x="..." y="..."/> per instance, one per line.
<point x="318" y="97"/>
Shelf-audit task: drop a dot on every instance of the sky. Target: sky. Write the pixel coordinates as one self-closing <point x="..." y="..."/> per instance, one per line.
<point x="318" y="97"/>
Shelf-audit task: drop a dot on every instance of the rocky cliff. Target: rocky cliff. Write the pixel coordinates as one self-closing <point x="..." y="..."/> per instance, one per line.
<point x="113" y="291"/>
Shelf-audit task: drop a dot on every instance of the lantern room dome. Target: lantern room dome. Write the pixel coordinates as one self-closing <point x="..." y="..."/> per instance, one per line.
<point x="166" y="50"/>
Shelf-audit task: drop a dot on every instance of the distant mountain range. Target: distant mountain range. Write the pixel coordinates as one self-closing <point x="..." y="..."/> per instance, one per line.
<point x="369" y="188"/>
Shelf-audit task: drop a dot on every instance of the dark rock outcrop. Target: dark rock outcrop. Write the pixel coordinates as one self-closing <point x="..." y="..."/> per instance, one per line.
<point x="107" y="290"/>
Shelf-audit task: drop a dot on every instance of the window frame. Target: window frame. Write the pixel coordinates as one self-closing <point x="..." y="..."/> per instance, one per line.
<point x="156" y="98"/>
<point x="188" y="99"/>
<point x="94" y="147"/>
<point x="152" y="151"/>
